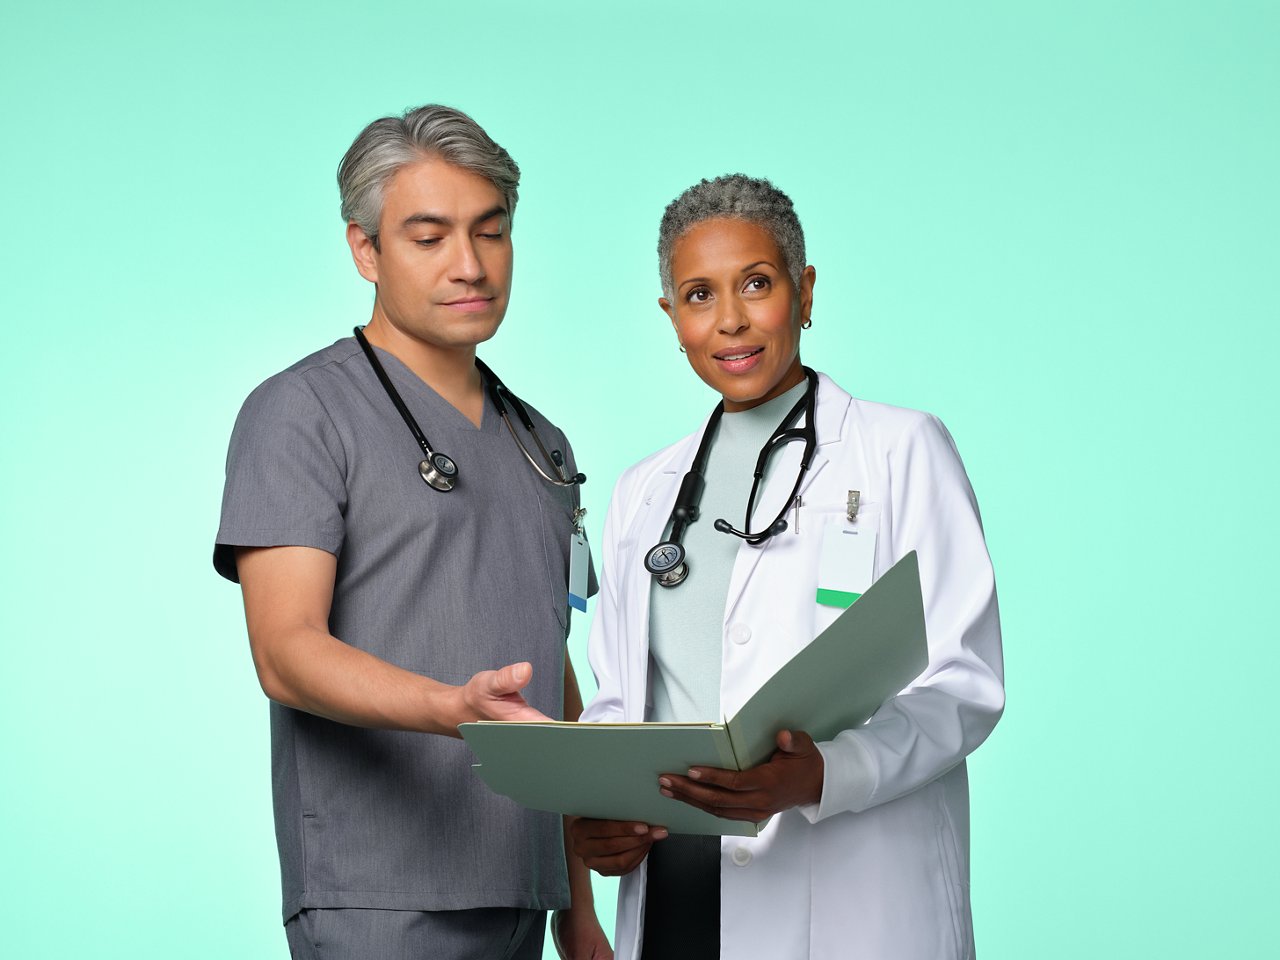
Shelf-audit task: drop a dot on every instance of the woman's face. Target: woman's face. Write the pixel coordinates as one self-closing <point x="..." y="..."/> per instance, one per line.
<point x="736" y="311"/>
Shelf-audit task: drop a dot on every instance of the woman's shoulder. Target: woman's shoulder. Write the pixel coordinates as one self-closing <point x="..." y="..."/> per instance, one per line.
<point x="885" y="423"/>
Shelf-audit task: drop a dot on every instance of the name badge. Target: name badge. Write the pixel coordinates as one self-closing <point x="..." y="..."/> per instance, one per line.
<point x="847" y="564"/>
<point x="579" y="563"/>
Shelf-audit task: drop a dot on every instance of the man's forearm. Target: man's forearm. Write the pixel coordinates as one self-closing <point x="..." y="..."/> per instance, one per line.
<point x="308" y="669"/>
<point x="287" y="596"/>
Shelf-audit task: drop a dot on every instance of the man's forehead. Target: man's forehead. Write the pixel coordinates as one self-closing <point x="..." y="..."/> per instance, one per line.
<point x="435" y="187"/>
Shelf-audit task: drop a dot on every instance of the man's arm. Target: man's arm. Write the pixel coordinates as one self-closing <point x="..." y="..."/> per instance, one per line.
<point x="287" y="595"/>
<point x="576" y="931"/>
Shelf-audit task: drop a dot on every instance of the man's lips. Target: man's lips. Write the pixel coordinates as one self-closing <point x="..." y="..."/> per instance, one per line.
<point x="468" y="304"/>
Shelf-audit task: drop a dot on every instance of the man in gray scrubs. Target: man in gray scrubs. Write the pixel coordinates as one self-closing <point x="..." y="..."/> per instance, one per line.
<point x="383" y="612"/>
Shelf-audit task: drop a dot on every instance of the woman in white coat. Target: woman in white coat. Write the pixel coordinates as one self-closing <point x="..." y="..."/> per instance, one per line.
<point x="867" y="851"/>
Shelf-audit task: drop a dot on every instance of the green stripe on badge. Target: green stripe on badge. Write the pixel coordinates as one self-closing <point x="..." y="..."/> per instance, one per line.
<point x="836" y="598"/>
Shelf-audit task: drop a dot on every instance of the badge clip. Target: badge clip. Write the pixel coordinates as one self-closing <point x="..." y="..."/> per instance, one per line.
<point x="851" y="510"/>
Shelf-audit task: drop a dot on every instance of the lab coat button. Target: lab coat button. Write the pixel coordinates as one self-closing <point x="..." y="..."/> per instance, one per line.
<point x="739" y="633"/>
<point x="741" y="856"/>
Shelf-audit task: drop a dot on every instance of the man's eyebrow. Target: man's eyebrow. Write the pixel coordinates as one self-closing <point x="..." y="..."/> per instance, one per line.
<point x="427" y="218"/>
<point x="438" y="220"/>
<point x="498" y="211"/>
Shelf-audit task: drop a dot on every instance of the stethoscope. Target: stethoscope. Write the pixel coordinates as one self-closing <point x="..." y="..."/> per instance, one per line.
<point x="666" y="561"/>
<point x="438" y="470"/>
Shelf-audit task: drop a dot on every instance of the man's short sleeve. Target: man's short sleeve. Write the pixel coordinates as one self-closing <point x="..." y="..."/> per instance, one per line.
<point x="286" y="475"/>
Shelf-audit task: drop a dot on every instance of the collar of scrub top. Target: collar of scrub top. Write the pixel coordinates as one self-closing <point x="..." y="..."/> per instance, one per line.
<point x="667" y="560"/>
<point x="438" y="470"/>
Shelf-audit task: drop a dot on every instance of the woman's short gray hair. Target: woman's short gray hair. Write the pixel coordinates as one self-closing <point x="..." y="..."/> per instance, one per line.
<point x="734" y="196"/>
<point x="390" y="143"/>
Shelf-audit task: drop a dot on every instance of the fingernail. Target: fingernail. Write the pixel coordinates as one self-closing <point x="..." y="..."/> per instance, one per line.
<point x="659" y="833"/>
<point x="695" y="774"/>
<point x="663" y="781"/>
<point x="666" y="793"/>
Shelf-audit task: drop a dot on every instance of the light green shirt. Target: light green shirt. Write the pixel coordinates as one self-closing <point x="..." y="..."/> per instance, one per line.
<point x="686" y="623"/>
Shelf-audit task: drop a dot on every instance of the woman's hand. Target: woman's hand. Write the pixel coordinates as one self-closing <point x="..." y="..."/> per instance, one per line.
<point x="613" y="847"/>
<point x="790" y="778"/>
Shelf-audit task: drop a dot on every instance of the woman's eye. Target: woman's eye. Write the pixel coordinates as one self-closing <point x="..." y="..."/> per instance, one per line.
<point x="698" y="295"/>
<point x="758" y="283"/>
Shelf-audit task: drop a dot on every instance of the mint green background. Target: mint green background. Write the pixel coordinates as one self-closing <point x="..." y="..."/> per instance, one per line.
<point x="1055" y="225"/>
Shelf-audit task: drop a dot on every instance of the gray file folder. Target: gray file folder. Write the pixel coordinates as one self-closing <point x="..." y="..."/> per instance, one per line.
<point x="610" y="771"/>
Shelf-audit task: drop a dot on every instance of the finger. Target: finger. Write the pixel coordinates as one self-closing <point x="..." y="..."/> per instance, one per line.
<point x="509" y="679"/>
<point x="704" y="797"/>
<point x="523" y="713"/>
<point x="714" y="776"/>
<point x="794" y="742"/>
<point x="586" y="827"/>
<point x="618" y="865"/>
<point x="594" y="848"/>
<point x="749" y="814"/>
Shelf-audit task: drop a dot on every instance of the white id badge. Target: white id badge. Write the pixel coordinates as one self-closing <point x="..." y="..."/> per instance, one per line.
<point x="847" y="564"/>
<point x="579" y="564"/>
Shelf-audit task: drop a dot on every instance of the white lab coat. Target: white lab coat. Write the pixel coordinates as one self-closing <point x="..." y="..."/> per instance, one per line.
<point x="879" y="868"/>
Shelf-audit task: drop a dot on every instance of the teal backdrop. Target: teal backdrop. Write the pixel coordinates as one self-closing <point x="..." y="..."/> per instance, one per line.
<point x="1052" y="224"/>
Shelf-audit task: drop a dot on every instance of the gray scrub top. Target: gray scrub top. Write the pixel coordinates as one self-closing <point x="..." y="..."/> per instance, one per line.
<point x="443" y="584"/>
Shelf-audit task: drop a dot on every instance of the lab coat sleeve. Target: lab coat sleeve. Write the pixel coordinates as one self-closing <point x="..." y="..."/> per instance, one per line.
<point x="950" y="708"/>
<point x="604" y="643"/>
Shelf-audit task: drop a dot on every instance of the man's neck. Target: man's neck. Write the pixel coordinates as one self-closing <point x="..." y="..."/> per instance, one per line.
<point x="449" y="372"/>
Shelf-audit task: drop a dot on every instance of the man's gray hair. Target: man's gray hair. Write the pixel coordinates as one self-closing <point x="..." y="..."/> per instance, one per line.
<point x="734" y="196"/>
<point x="390" y="143"/>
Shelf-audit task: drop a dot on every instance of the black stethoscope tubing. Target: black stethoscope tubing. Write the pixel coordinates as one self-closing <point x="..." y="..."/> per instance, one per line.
<point x="667" y="560"/>
<point x="438" y="470"/>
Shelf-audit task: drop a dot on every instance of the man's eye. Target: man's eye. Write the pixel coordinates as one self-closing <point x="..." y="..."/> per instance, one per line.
<point x="492" y="236"/>
<point x="427" y="241"/>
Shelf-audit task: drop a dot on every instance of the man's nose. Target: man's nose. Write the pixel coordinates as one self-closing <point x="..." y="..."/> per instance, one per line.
<point x="466" y="266"/>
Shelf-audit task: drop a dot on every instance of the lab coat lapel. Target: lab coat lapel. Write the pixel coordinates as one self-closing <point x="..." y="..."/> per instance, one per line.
<point x="657" y="498"/>
<point x="833" y="407"/>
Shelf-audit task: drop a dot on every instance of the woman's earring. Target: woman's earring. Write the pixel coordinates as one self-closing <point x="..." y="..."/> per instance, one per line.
<point x="682" y="349"/>
<point x="808" y="322"/>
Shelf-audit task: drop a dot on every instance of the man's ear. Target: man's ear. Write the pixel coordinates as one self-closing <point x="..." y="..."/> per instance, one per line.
<point x="363" y="252"/>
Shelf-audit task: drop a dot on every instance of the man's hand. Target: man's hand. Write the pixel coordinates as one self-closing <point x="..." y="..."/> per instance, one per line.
<point x="790" y="778"/>
<point x="578" y="936"/>
<point x="495" y="695"/>
<point x="613" y="847"/>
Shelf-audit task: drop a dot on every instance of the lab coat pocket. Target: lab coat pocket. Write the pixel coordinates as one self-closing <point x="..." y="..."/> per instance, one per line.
<point x="845" y="558"/>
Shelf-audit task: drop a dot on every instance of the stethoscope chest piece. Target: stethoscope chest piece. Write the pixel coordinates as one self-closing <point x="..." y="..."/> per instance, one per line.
<point x="666" y="562"/>
<point x="439" y="472"/>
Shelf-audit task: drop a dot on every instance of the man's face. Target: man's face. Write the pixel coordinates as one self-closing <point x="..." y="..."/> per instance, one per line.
<point x="443" y="270"/>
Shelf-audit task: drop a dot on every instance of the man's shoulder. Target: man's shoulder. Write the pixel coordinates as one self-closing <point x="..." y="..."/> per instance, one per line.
<point x="300" y="380"/>
<point x="325" y="361"/>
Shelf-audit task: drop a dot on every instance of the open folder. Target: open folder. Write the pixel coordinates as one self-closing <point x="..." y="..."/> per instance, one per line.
<point x="610" y="770"/>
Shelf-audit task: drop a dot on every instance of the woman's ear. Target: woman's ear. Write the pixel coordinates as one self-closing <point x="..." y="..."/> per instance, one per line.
<point x="807" y="278"/>
<point x="670" y="311"/>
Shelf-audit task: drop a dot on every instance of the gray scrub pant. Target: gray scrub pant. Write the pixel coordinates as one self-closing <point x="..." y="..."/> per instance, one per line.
<point x="488" y="933"/>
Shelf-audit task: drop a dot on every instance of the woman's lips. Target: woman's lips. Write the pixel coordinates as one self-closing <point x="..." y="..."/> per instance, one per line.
<point x="738" y="359"/>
